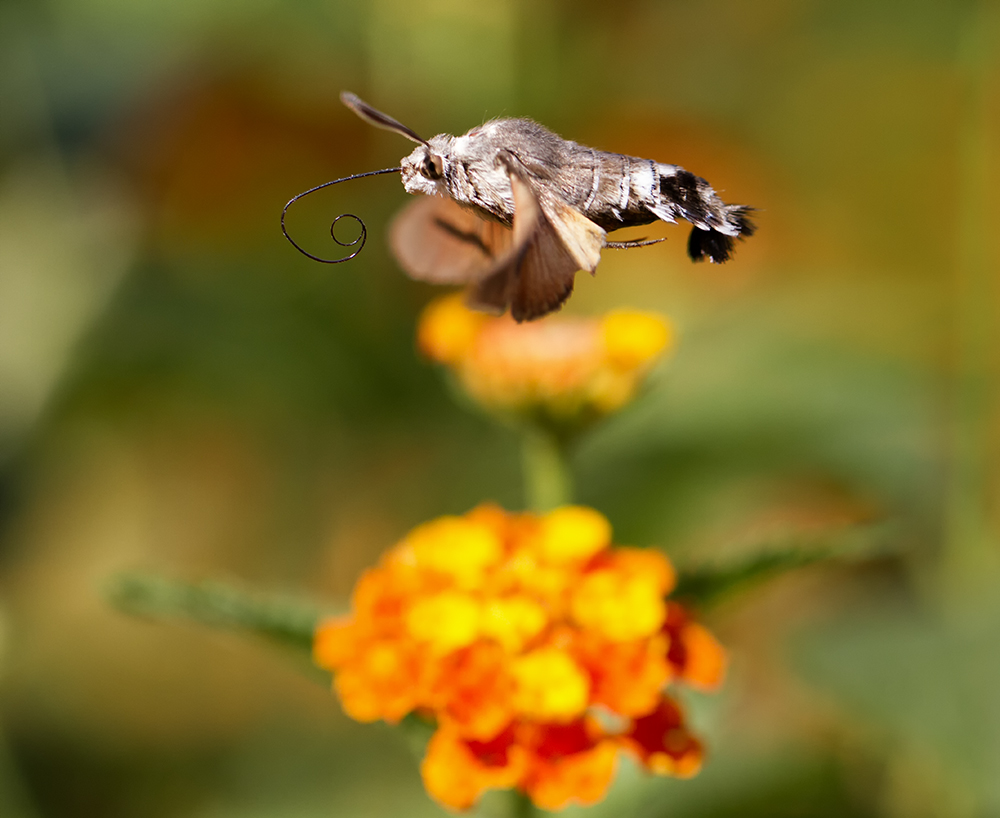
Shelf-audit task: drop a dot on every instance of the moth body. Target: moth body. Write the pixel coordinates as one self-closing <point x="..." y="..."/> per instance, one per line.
<point x="514" y="211"/>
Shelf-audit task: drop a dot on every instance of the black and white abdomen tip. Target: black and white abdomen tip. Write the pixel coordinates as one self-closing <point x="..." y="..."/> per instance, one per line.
<point x="715" y="224"/>
<point x="717" y="245"/>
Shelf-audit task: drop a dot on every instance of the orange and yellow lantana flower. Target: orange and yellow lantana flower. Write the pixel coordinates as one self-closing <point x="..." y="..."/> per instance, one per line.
<point x="561" y="369"/>
<point x="538" y="649"/>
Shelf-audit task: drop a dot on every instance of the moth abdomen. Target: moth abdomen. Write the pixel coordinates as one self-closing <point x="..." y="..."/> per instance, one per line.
<point x="715" y="224"/>
<point x="716" y="245"/>
<point x="616" y="190"/>
<point x="690" y="194"/>
<point x="515" y="211"/>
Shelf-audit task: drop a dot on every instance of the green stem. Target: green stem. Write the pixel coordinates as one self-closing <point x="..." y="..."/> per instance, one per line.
<point x="521" y="806"/>
<point x="968" y="554"/>
<point x="548" y="482"/>
<point x="15" y="801"/>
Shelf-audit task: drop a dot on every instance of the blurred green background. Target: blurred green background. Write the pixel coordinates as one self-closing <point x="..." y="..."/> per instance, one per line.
<point x="180" y="391"/>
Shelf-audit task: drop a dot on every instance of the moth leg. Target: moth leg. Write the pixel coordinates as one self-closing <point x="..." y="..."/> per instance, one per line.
<point x="628" y="245"/>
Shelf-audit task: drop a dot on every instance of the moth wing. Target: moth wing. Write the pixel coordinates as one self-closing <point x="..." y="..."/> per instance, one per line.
<point x="545" y="278"/>
<point x="491" y="293"/>
<point x="581" y="238"/>
<point x="438" y="241"/>
<point x="551" y="241"/>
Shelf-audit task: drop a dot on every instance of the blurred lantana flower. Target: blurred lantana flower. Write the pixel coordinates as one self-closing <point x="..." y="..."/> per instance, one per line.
<point x="560" y="371"/>
<point x="537" y="649"/>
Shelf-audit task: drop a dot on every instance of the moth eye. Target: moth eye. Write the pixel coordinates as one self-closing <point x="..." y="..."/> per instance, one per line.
<point x="433" y="167"/>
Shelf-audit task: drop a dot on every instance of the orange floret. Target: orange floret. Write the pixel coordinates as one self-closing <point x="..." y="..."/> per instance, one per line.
<point x="335" y="642"/>
<point x="567" y="370"/>
<point x="473" y="691"/>
<point x="662" y="743"/>
<point x="382" y="681"/>
<point x="569" y="765"/>
<point x="626" y="677"/>
<point x="696" y="655"/>
<point x="515" y="633"/>
<point x="457" y="771"/>
<point x="647" y="562"/>
<point x="493" y="517"/>
<point x="705" y="661"/>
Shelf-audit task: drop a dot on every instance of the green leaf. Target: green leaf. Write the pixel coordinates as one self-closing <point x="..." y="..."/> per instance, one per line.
<point x="287" y="621"/>
<point x="707" y="585"/>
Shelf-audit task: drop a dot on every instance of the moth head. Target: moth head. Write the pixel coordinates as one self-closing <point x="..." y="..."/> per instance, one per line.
<point x="424" y="170"/>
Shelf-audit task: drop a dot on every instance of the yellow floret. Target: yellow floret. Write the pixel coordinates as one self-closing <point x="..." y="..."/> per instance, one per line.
<point x="513" y="621"/>
<point x="549" y="686"/>
<point x="446" y="621"/>
<point x="618" y="606"/>
<point x="573" y="534"/>
<point x="611" y="388"/>
<point x="447" y="329"/>
<point x="460" y="548"/>
<point x="635" y="338"/>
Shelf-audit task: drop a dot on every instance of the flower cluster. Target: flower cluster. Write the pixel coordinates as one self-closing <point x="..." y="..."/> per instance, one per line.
<point x="562" y="370"/>
<point x="537" y="648"/>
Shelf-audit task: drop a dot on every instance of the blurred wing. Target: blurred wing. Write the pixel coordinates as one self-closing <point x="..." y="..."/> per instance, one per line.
<point x="436" y="240"/>
<point x="551" y="241"/>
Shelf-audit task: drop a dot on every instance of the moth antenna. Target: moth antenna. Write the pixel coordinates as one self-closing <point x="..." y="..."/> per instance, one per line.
<point x="375" y="117"/>
<point x="363" y="237"/>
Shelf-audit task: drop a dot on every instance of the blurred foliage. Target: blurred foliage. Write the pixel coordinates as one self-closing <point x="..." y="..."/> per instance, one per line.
<point x="288" y="622"/>
<point x="181" y="392"/>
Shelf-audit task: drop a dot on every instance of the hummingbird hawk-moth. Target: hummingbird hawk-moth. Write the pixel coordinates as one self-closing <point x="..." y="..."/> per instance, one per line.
<point x="513" y="211"/>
